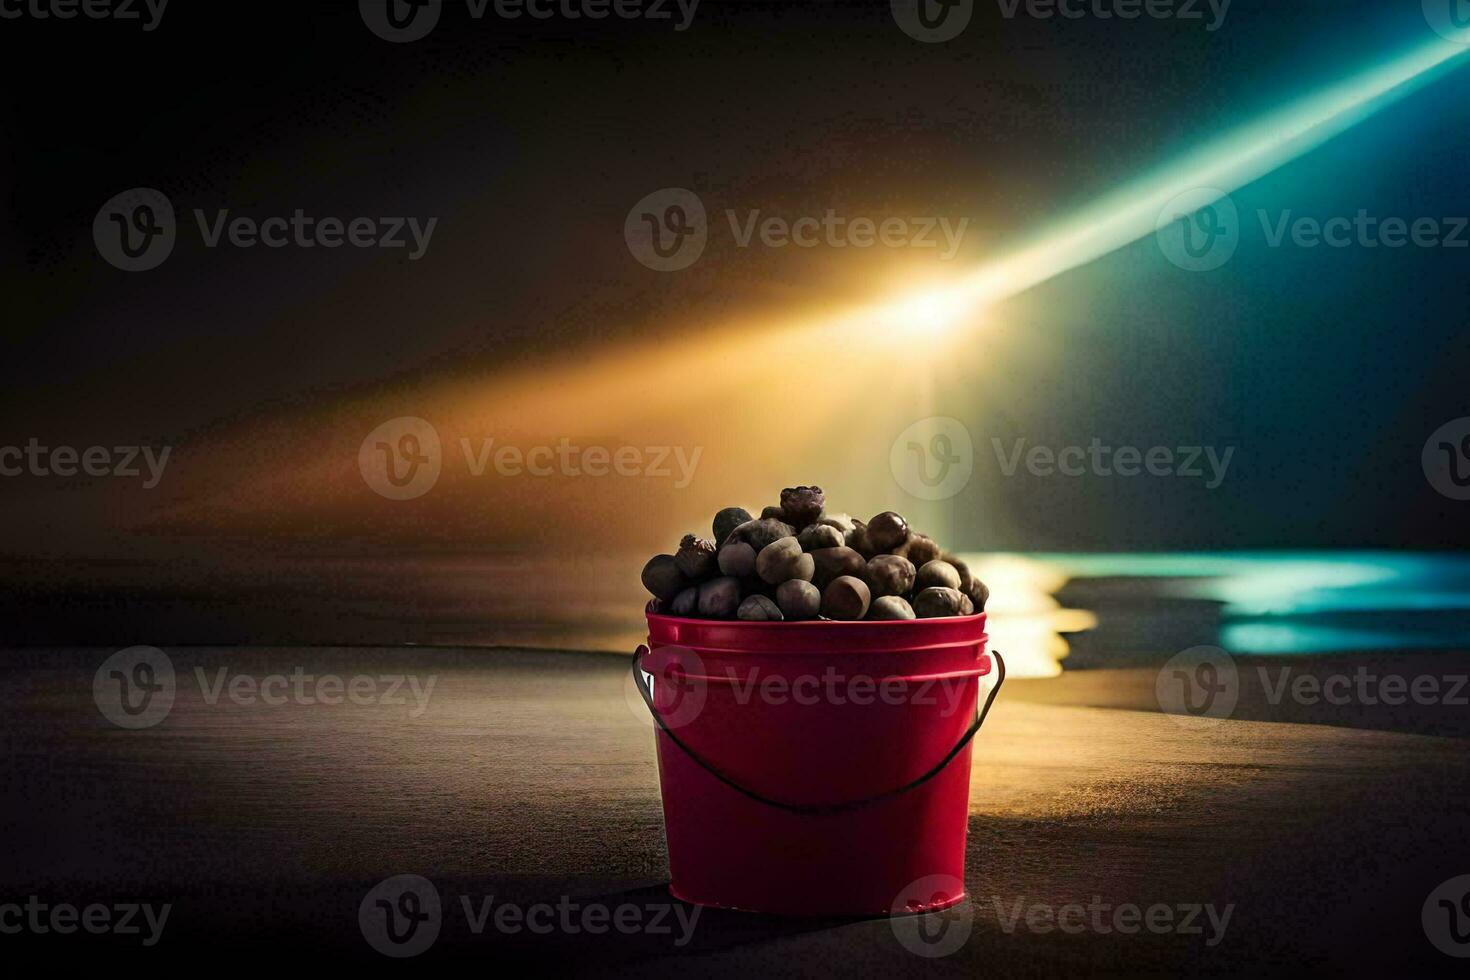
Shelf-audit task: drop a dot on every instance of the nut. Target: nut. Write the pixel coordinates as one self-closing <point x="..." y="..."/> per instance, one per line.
<point x="773" y="514"/>
<point x="936" y="602"/>
<point x="661" y="576"/>
<point x="890" y="575"/>
<point x="858" y="540"/>
<point x="919" y="549"/>
<point x="798" y="600"/>
<point x="817" y="536"/>
<point x="891" y="607"/>
<point x="759" y="609"/>
<point x="833" y="562"/>
<point x="783" y="560"/>
<point x="696" y="558"/>
<point x="967" y="605"/>
<point x="937" y="574"/>
<point x="760" y="533"/>
<point x="967" y="578"/>
<point x="980" y="594"/>
<point x="842" y="522"/>
<point x="887" y="531"/>
<point x="802" y="505"/>
<point x="719" y="597"/>
<point x="685" y="602"/>
<point x="728" y="520"/>
<point x="846" y="598"/>
<point x="737" y="560"/>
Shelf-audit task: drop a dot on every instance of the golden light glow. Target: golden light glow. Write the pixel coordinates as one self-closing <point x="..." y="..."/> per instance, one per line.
<point x="1026" y="623"/>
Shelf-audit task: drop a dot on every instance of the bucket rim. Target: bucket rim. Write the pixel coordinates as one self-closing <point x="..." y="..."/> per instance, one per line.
<point x="817" y="636"/>
<point x="867" y="624"/>
<point x="653" y="615"/>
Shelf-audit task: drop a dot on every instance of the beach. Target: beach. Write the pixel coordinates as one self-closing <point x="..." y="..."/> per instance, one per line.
<point x="529" y="777"/>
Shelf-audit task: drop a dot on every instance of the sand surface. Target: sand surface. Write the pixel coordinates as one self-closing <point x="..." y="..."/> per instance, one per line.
<point x="531" y="777"/>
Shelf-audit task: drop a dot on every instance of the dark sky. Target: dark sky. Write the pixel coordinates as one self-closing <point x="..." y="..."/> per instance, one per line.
<point x="1328" y="368"/>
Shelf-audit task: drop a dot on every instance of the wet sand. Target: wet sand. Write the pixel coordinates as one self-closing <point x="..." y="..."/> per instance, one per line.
<point x="531" y="777"/>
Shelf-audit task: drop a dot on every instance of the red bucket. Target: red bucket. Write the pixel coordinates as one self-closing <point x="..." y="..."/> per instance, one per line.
<point x="816" y="768"/>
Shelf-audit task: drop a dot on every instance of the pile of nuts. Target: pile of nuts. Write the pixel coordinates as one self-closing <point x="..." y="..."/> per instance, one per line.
<point x="798" y="562"/>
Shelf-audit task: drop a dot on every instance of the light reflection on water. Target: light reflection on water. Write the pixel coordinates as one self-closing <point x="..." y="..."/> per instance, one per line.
<point x="1026" y="622"/>
<point x="1279" y="603"/>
